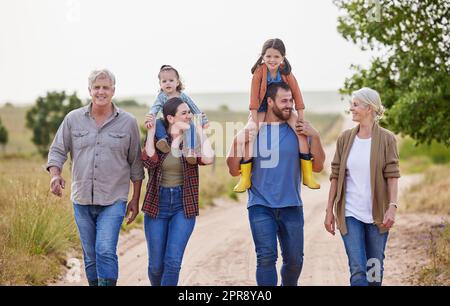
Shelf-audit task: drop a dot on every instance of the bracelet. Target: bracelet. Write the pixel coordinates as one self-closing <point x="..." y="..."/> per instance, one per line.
<point x="393" y="204"/>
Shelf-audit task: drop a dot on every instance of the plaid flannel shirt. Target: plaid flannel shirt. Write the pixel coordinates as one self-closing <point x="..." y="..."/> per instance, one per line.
<point x="190" y="184"/>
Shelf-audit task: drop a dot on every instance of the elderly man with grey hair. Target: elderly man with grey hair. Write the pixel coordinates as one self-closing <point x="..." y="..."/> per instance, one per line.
<point x="104" y="145"/>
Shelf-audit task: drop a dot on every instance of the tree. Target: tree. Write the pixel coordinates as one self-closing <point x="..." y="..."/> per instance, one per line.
<point x="412" y="74"/>
<point x="3" y="135"/>
<point x="47" y="115"/>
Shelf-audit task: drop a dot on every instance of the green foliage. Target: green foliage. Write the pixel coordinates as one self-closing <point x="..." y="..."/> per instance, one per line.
<point x="224" y="108"/>
<point x="3" y="134"/>
<point x="47" y="115"/>
<point x="438" y="153"/>
<point x="413" y="74"/>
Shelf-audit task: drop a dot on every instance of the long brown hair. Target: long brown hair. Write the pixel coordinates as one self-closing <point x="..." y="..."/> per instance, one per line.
<point x="170" y="108"/>
<point x="276" y="44"/>
<point x="180" y="87"/>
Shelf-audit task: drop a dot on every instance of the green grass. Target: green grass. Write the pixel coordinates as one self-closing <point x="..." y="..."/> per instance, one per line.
<point x="437" y="273"/>
<point x="36" y="228"/>
<point x="418" y="158"/>
<point x="431" y="195"/>
<point x="13" y="119"/>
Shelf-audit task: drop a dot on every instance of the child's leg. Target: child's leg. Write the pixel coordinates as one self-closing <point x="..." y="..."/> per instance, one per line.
<point x="302" y="139"/>
<point x="161" y="132"/>
<point x="305" y="156"/>
<point x="253" y="126"/>
<point x="161" y="137"/>
<point x="190" y="137"/>
<point x="190" y="143"/>
<point x="246" y="148"/>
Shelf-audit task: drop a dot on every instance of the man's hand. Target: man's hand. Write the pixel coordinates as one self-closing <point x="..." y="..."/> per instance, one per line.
<point x="57" y="184"/>
<point x="133" y="208"/>
<point x="149" y="121"/>
<point x="305" y="128"/>
<point x="246" y="135"/>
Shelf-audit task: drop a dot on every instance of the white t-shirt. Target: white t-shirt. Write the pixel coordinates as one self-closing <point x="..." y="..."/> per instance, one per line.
<point x="358" y="194"/>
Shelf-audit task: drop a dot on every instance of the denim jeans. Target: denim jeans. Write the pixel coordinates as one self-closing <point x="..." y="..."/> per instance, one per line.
<point x="365" y="250"/>
<point x="161" y="133"/>
<point x="266" y="224"/>
<point x="99" y="228"/>
<point x="167" y="236"/>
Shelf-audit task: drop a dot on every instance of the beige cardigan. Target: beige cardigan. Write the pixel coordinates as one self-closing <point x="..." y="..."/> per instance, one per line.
<point x="383" y="165"/>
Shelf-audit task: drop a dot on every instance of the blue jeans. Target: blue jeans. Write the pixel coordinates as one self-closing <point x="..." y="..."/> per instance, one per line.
<point x="266" y="224"/>
<point x="365" y="250"/>
<point x="161" y="133"/>
<point x="99" y="228"/>
<point x="167" y="236"/>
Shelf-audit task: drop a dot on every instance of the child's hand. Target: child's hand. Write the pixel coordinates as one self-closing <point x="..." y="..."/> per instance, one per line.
<point x="149" y="119"/>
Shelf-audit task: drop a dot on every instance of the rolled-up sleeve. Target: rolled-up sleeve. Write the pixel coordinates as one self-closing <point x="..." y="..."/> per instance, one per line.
<point x="61" y="145"/>
<point x="134" y="155"/>
<point x="150" y="162"/>
<point x="254" y="90"/>
<point x="391" y="167"/>
<point x="336" y="163"/>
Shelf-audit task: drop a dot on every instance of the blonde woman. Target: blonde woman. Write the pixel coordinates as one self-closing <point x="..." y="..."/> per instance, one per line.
<point x="363" y="191"/>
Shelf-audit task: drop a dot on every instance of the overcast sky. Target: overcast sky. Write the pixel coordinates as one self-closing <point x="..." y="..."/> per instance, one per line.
<point x="54" y="44"/>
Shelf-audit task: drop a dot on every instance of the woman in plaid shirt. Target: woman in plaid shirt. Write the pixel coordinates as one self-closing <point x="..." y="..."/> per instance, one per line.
<point x="171" y="200"/>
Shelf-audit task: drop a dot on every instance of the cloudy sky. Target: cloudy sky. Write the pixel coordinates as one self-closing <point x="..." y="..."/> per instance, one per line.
<point x="54" y="44"/>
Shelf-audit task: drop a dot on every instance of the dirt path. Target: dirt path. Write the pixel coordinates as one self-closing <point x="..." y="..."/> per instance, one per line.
<point x="221" y="250"/>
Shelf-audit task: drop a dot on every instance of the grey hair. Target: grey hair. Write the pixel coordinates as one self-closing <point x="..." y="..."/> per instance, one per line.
<point x="372" y="98"/>
<point x="102" y="73"/>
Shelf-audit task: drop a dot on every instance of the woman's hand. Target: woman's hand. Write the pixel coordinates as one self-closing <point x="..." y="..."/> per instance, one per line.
<point x="330" y="222"/>
<point x="389" y="217"/>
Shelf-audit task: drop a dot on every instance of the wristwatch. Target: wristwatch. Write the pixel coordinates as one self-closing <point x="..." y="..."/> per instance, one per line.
<point x="393" y="204"/>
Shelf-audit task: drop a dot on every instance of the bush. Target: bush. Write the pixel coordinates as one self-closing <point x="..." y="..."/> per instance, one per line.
<point x="438" y="153"/>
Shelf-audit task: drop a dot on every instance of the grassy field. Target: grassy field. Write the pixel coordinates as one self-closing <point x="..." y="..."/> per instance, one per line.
<point x="431" y="195"/>
<point x="37" y="229"/>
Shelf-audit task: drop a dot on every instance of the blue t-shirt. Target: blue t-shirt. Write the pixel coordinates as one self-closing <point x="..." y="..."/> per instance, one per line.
<point x="276" y="168"/>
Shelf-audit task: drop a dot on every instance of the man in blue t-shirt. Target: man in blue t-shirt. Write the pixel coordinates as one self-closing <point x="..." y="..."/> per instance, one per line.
<point x="274" y="205"/>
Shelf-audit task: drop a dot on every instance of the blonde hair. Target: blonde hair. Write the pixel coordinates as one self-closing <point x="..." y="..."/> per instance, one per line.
<point x="103" y="73"/>
<point x="371" y="98"/>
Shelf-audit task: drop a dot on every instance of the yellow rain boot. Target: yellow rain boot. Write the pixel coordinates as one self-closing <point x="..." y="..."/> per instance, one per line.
<point x="244" y="182"/>
<point x="308" y="179"/>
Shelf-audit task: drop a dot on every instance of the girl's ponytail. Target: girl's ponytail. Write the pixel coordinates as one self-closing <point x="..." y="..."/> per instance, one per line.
<point x="258" y="62"/>
<point x="286" y="67"/>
